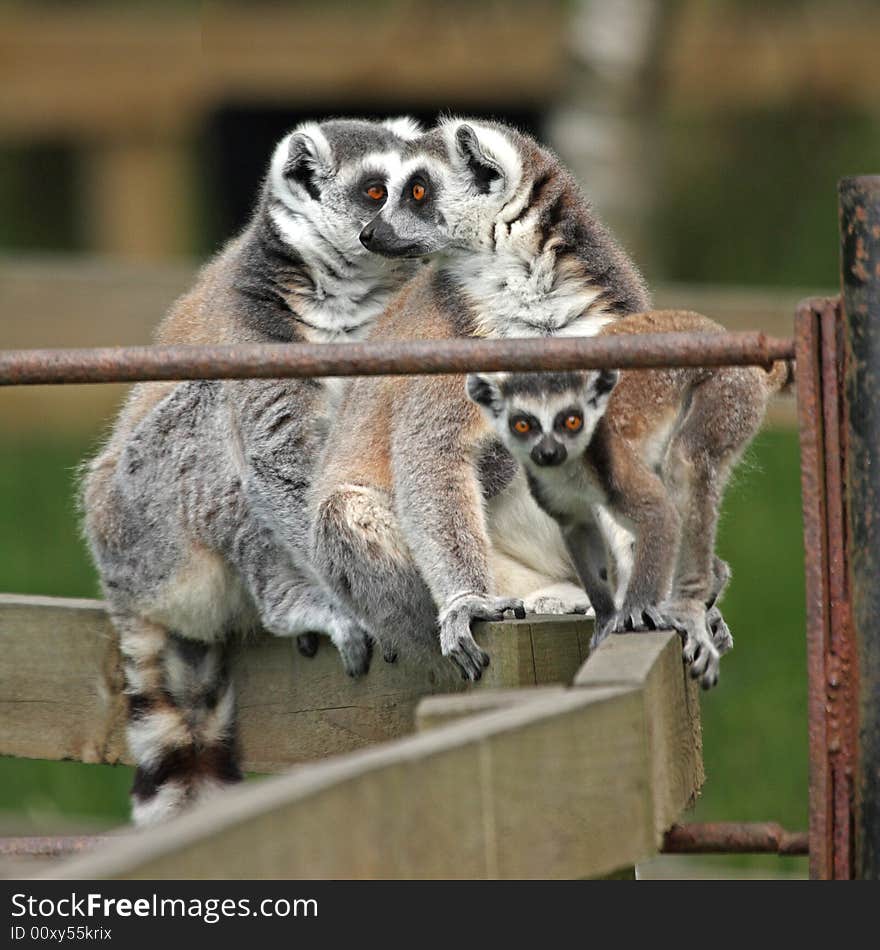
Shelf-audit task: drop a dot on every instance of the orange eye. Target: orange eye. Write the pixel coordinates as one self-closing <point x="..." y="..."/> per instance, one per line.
<point x="573" y="423"/>
<point x="418" y="192"/>
<point x="522" y="426"/>
<point x="376" y="192"/>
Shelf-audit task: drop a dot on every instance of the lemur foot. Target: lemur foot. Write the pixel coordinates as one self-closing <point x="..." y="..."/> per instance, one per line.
<point x="554" y="606"/>
<point x="456" y="640"/>
<point x="721" y="635"/>
<point x="557" y="599"/>
<point x="690" y="619"/>
<point x="355" y="647"/>
<point x="307" y="644"/>
<point x="630" y="620"/>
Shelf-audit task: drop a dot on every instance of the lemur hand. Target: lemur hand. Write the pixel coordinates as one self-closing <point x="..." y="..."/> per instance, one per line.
<point x="457" y="641"/>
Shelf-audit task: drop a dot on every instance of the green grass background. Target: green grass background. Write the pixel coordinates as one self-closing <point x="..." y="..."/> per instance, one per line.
<point x="755" y="737"/>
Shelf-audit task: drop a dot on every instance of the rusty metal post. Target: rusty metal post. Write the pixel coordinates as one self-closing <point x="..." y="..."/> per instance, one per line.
<point x="830" y="649"/>
<point x="860" y="288"/>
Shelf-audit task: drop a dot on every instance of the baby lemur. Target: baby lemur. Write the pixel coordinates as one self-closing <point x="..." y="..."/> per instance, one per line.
<point x="654" y="450"/>
<point x="195" y="509"/>
<point x="423" y="521"/>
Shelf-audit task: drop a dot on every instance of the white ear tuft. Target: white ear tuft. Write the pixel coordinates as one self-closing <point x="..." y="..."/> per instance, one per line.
<point x="404" y="127"/>
<point x="309" y="138"/>
<point x="486" y="152"/>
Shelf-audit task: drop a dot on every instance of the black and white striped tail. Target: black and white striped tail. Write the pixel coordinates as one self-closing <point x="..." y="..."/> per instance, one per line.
<point x="181" y="719"/>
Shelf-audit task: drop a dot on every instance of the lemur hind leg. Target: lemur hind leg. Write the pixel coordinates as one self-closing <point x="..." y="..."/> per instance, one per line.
<point x="362" y="557"/>
<point x="181" y="718"/>
<point x="725" y="413"/>
<point x="291" y="601"/>
<point x="360" y="551"/>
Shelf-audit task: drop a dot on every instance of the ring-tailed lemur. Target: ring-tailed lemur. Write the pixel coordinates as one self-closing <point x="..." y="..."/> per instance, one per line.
<point x="195" y="508"/>
<point x="653" y="449"/>
<point x="422" y="518"/>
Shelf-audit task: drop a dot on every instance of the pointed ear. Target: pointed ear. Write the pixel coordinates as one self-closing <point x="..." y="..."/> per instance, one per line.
<point x="307" y="157"/>
<point x="484" y="392"/>
<point x="485" y="171"/>
<point x="601" y="385"/>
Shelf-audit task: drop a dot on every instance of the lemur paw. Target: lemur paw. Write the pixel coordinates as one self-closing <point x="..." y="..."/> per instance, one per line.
<point x="557" y="599"/>
<point x="355" y="647"/>
<point x="456" y="640"/>
<point x="307" y="644"/>
<point x="721" y="635"/>
<point x="700" y="653"/>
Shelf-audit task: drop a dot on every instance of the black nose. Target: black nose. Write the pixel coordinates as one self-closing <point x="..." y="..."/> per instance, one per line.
<point x="549" y="452"/>
<point x="367" y="235"/>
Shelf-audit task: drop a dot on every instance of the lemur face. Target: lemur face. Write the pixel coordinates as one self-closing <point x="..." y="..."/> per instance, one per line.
<point x="543" y="419"/>
<point x="453" y="184"/>
<point x="329" y="179"/>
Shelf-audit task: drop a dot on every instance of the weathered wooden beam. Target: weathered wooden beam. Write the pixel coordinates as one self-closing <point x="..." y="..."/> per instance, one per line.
<point x="434" y="711"/>
<point x="562" y="785"/>
<point x="671" y="704"/>
<point x="557" y="787"/>
<point x="61" y="681"/>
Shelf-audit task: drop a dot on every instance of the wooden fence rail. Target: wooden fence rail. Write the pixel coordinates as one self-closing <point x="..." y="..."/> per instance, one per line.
<point x="61" y="681"/>
<point x="513" y="777"/>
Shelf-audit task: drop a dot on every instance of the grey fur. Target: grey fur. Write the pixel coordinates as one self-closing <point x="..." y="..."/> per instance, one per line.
<point x="195" y="510"/>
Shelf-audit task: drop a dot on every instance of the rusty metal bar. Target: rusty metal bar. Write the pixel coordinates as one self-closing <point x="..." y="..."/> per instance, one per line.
<point x="860" y="292"/>
<point x="53" y="846"/>
<point x="730" y="837"/>
<point x="830" y="647"/>
<point x="712" y="838"/>
<point x="389" y="358"/>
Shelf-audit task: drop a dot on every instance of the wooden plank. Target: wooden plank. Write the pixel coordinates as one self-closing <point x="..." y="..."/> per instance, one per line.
<point x="60" y="681"/>
<point x="570" y="783"/>
<point x="434" y="711"/>
<point x="61" y="678"/>
<point x="557" y="787"/>
<point x="653" y="662"/>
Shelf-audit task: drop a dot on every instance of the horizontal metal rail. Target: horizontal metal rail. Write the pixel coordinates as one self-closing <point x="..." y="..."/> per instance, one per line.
<point x="732" y="837"/>
<point x="713" y="838"/>
<point x="389" y="358"/>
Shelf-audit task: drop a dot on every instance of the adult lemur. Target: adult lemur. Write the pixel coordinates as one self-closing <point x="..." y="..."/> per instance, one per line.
<point x="195" y="507"/>
<point x="654" y="448"/>
<point x="421" y="517"/>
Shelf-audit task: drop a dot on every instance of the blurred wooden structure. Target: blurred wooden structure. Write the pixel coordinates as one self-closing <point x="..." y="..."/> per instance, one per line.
<point x="558" y="764"/>
<point x="131" y="87"/>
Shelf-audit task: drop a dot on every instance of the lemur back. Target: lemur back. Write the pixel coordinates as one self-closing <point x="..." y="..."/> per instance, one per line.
<point x="195" y="510"/>
<point x="412" y="473"/>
